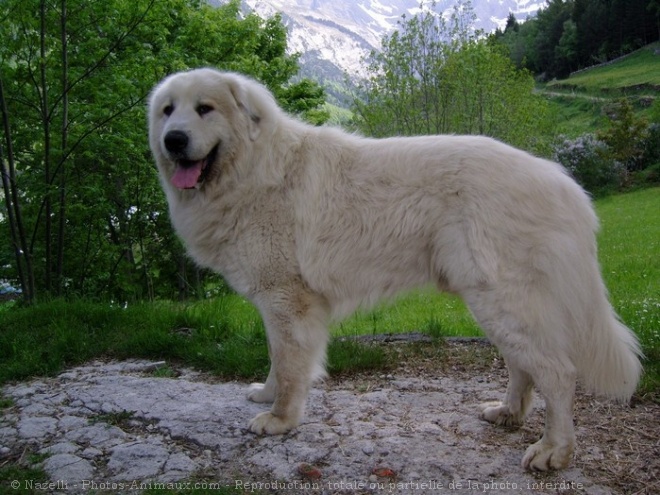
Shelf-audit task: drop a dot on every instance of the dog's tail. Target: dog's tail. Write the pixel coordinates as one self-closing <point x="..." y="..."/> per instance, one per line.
<point x="614" y="366"/>
<point x="611" y="364"/>
<point x="607" y="353"/>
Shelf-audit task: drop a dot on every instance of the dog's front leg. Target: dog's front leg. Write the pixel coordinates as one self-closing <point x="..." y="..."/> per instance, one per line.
<point x="296" y="323"/>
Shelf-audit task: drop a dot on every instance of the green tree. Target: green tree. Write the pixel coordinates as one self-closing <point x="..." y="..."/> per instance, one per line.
<point x="566" y="51"/>
<point x="626" y="135"/>
<point x="83" y="205"/>
<point x="433" y="77"/>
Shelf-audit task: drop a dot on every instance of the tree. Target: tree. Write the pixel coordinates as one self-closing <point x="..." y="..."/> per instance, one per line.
<point x="511" y="24"/>
<point x="432" y="77"/>
<point x="571" y="34"/>
<point x="567" y="50"/>
<point x="626" y="135"/>
<point x="75" y="161"/>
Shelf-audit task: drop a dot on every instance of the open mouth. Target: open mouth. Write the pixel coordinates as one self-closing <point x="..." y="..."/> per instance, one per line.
<point x="189" y="173"/>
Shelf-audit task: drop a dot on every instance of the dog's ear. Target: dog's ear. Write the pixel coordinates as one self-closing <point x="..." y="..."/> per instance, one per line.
<point x="242" y="97"/>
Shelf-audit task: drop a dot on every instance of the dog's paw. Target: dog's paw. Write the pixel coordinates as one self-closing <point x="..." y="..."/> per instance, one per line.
<point x="498" y="413"/>
<point x="258" y="392"/>
<point x="543" y="456"/>
<point x="268" y="424"/>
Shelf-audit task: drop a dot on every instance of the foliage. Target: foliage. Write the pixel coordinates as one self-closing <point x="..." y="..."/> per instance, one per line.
<point x="81" y="194"/>
<point x="590" y="162"/>
<point x="608" y="159"/>
<point x="571" y="34"/>
<point x="623" y="152"/>
<point x="626" y="135"/>
<point x="434" y="76"/>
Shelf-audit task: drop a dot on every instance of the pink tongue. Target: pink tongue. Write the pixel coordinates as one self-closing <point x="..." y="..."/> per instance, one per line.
<point x="187" y="177"/>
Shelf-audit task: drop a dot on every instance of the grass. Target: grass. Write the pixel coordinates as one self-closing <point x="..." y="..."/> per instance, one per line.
<point x="424" y="310"/>
<point x="576" y="115"/>
<point x="225" y="335"/>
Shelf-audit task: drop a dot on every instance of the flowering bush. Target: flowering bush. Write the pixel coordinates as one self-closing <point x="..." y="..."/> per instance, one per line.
<point x="590" y="162"/>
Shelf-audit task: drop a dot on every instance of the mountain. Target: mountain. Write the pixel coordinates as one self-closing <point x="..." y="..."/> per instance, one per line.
<point x="334" y="36"/>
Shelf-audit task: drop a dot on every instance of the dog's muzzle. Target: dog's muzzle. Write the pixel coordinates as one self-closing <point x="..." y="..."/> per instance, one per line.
<point x="188" y="173"/>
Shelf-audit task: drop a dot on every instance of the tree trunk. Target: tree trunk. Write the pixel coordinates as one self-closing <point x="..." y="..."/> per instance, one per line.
<point x="45" y="121"/>
<point x="19" y="239"/>
<point x="65" y="124"/>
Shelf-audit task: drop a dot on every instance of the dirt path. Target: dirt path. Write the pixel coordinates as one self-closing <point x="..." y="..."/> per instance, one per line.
<point x="414" y="429"/>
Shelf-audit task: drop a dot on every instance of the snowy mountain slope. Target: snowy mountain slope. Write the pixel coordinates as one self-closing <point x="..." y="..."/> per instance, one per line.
<point x="334" y="36"/>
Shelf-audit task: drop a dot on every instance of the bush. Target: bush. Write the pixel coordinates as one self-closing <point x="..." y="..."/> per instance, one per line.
<point x="591" y="163"/>
<point x="626" y="136"/>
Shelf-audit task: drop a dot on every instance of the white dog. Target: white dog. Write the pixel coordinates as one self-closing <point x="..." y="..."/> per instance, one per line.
<point x="310" y="222"/>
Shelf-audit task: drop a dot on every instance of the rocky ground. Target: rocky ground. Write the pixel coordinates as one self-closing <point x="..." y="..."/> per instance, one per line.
<point x="121" y="426"/>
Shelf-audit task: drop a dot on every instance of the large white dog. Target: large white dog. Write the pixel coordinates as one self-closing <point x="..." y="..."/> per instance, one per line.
<point x="310" y="222"/>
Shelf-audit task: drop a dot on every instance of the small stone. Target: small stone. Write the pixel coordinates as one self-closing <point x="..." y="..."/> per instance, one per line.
<point x="137" y="461"/>
<point x="91" y="453"/>
<point x="180" y="463"/>
<point x="37" y="427"/>
<point x="68" y="467"/>
<point x="60" y="448"/>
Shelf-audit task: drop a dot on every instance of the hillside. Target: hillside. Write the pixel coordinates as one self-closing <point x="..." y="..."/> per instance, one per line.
<point x="635" y="72"/>
<point x="582" y="100"/>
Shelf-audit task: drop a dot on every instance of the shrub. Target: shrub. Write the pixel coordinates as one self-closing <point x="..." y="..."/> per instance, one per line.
<point x="626" y="136"/>
<point x="590" y="162"/>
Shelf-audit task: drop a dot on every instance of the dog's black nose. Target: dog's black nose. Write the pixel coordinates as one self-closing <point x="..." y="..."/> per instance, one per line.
<point x="176" y="141"/>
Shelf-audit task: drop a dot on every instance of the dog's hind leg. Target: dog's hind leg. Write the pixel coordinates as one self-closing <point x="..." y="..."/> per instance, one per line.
<point x="534" y="356"/>
<point x="555" y="449"/>
<point x="296" y="323"/>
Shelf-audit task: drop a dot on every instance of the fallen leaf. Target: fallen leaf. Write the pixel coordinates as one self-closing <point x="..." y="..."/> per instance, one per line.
<point x="384" y="472"/>
<point x="310" y="472"/>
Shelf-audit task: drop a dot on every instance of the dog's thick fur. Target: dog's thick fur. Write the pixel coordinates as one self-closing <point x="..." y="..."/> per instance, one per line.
<point x="310" y="222"/>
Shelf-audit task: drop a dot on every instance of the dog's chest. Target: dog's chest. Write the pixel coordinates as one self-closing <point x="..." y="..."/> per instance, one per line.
<point x="250" y="243"/>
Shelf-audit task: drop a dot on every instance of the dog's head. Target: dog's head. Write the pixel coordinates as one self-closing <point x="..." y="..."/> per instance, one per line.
<point x="200" y="121"/>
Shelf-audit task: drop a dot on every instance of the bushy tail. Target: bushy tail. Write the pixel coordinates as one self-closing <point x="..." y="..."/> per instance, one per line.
<point x="607" y="354"/>
<point x="612" y="364"/>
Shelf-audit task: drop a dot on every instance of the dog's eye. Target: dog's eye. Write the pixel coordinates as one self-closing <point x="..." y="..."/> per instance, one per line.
<point x="168" y="110"/>
<point x="204" y="109"/>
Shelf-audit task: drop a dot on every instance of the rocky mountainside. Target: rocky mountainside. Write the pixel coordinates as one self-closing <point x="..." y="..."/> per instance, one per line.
<point x="334" y="36"/>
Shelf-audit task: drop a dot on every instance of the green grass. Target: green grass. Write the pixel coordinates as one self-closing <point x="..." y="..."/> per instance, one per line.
<point x="14" y="473"/>
<point x="424" y="310"/>
<point x="575" y="115"/>
<point x="225" y="335"/>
